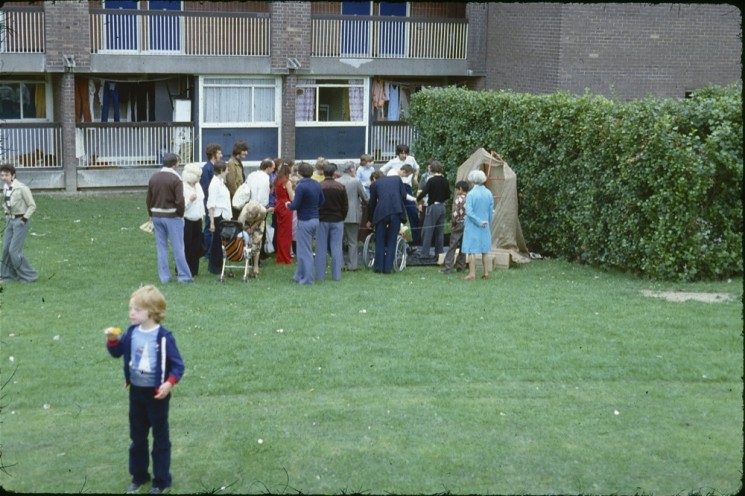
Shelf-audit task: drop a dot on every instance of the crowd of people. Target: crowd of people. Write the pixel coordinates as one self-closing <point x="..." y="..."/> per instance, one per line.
<point x="317" y="213"/>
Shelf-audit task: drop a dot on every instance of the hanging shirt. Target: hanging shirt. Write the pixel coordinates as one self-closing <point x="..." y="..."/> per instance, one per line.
<point x="393" y="107"/>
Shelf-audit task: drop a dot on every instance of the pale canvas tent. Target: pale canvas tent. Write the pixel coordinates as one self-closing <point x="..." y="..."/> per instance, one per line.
<point x="501" y="180"/>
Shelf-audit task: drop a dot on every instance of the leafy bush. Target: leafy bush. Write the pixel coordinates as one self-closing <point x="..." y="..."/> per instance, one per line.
<point x="651" y="186"/>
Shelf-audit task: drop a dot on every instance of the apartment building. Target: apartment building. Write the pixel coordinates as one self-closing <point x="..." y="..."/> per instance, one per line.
<point x="93" y="93"/>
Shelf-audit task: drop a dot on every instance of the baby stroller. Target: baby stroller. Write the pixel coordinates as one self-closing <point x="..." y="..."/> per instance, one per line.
<point x="234" y="248"/>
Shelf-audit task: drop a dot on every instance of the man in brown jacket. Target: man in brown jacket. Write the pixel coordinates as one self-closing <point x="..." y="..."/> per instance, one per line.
<point x="330" y="232"/>
<point x="165" y="206"/>
<point x="236" y="176"/>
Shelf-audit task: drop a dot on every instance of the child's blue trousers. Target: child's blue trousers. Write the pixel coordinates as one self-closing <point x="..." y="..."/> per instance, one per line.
<point x="146" y="413"/>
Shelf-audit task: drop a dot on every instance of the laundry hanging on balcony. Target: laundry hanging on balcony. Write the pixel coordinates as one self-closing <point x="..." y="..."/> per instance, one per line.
<point x="379" y="97"/>
<point x="390" y="99"/>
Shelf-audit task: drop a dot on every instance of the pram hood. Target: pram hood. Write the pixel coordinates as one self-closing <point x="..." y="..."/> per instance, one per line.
<point x="230" y="229"/>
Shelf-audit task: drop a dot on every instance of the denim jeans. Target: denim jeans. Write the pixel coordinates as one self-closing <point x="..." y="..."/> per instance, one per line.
<point x="171" y="228"/>
<point x="110" y="96"/>
<point x="145" y="414"/>
<point x="306" y="231"/>
<point x="329" y="238"/>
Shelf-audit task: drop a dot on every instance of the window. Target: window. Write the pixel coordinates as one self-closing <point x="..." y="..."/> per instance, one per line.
<point x="239" y="100"/>
<point x="22" y="100"/>
<point x="122" y="31"/>
<point x="330" y="100"/>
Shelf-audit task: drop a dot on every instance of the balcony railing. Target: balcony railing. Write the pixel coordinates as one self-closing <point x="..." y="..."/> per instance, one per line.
<point x="384" y="136"/>
<point x="132" y="144"/>
<point x="386" y="37"/>
<point x="22" y="30"/>
<point x="144" y="32"/>
<point x="31" y="145"/>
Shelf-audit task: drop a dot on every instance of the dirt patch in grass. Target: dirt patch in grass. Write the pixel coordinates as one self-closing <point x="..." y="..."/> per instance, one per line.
<point x="680" y="296"/>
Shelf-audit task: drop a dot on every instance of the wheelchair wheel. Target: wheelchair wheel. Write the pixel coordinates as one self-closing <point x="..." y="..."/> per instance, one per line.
<point x="399" y="262"/>
<point x="368" y="251"/>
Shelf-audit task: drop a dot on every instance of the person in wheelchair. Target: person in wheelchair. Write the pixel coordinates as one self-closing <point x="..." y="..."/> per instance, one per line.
<point x="387" y="212"/>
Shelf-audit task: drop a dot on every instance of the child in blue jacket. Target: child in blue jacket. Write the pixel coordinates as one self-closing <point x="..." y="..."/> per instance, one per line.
<point x="152" y="367"/>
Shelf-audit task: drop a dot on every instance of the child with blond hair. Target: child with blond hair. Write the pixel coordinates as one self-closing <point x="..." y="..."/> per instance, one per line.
<point x="365" y="171"/>
<point x="152" y="367"/>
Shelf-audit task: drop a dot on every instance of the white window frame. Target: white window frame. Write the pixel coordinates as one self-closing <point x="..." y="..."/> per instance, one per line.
<point x="138" y="32"/>
<point x="271" y="82"/>
<point x="47" y="99"/>
<point x="332" y="82"/>
<point x="181" y="32"/>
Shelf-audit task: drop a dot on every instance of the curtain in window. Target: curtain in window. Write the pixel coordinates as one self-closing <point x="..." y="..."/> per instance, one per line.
<point x="264" y="105"/>
<point x="305" y="102"/>
<point x="356" y="103"/>
<point x="227" y="105"/>
<point x="40" y="100"/>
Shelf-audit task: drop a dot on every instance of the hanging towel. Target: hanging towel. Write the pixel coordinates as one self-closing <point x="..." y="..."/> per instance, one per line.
<point x="393" y="108"/>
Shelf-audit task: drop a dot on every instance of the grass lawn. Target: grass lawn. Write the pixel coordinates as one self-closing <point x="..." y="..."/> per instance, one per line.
<point x="548" y="378"/>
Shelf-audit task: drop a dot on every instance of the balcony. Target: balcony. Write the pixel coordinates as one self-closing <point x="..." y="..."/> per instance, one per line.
<point x="385" y="136"/>
<point x="97" y="144"/>
<point x="132" y="144"/>
<point x="373" y="37"/>
<point x="37" y="145"/>
<point x="22" y="30"/>
<point x="207" y="34"/>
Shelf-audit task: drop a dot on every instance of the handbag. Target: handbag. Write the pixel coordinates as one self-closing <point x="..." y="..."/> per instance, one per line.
<point x="268" y="245"/>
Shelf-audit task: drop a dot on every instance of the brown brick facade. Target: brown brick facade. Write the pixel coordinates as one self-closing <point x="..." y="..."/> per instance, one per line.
<point x="621" y="50"/>
<point x="67" y="32"/>
<point x="291" y="31"/>
<point x="523" y="47"/>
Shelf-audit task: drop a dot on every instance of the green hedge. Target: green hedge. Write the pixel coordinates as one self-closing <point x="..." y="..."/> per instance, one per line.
<point x="652" y="186"/>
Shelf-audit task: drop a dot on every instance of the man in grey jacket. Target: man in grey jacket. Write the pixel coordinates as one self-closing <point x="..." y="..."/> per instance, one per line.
<point x="356" y="196"/>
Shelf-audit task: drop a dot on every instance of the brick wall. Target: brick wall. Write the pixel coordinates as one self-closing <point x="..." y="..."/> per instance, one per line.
<point x="67" y="32"/>
<point x="523" y="47"/>
<point x="476" y="13"/>
<point x="289" y="87"/>
<point x="621" y="50"/>
<point x="63" y="87"/>
<point x="631" y="50"/>
<point x="291" y="31"/>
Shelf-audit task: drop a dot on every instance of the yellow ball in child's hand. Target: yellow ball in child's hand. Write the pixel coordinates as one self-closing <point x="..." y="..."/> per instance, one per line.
<point x="113" y="332"/>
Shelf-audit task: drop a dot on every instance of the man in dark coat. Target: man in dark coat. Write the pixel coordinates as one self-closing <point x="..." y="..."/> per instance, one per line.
<point x="387" y="211"/>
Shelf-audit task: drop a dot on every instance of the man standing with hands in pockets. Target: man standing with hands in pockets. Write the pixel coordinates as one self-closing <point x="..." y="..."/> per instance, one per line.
<point x="19" y="205"/>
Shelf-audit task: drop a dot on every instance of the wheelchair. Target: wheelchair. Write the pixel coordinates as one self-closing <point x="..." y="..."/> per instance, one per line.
<point x="399" y="260"/>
